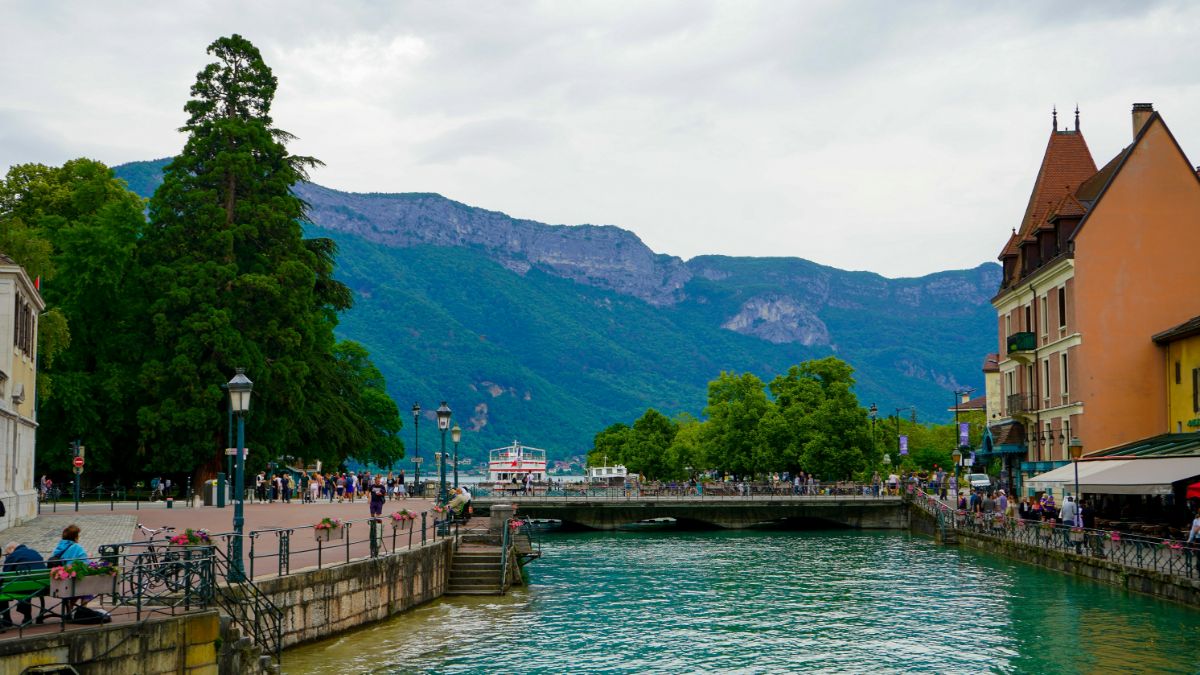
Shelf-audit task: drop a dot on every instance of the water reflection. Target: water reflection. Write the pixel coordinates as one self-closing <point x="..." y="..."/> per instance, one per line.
<point x="836" y="601"/>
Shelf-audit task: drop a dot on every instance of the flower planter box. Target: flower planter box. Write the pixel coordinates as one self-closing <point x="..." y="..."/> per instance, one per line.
<point x="1077" y="537"/>
<point x="401" y="524"/>
<point x="330" y="534"/>
<point x="96" y="584"/>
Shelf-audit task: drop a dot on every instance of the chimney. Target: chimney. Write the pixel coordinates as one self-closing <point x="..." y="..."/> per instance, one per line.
<point x="966" y="397"/>
<point x="1141" y="114"/>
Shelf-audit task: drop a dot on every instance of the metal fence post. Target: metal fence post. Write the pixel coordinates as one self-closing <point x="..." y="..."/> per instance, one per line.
<point x="424" y="526"/>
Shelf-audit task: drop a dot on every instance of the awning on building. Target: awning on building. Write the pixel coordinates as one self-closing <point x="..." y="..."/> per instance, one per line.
<point x="1148" y="476"/>
<point x="1064" y="476"/>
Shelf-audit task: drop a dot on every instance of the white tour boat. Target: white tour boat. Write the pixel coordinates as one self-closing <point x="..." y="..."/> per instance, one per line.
<point x="516" y="461"/>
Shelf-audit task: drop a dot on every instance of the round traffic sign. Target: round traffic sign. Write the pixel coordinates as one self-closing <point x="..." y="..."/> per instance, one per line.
<point x="78" y="461"/>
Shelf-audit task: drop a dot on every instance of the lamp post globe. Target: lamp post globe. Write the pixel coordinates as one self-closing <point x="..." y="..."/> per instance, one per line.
<point x="416" y="413"/>
<point x="443" y="420"/>
<point x="239" y="389"/>
<point x="456" y="436"/>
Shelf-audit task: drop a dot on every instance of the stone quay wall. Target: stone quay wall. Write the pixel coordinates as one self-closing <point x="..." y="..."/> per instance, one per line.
<point x="179" y="644"/>
<point x="1135" y="579"/>
<point x="320" y="603"/>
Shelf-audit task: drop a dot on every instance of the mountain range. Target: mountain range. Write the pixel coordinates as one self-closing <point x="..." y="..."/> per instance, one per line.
<point x="549" y="333"/>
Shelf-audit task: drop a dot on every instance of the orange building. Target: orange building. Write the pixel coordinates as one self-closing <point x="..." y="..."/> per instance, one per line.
<point x="1102" y="260"/>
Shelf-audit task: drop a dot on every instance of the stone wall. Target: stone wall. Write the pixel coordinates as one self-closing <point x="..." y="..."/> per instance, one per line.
<point x="1153" y="583"/>
<point x="181" y="644"/>
<point x="320" y="603"/>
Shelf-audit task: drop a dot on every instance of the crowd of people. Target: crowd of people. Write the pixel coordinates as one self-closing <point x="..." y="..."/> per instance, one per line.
<point x="345" y="486"/>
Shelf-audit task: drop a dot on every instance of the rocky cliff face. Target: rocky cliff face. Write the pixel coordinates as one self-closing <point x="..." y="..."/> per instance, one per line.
<point x="779" y="319"/>
<point x="602" y="256"/>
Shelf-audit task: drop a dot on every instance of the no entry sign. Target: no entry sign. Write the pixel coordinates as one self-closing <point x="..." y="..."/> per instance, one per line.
<point x="78" y="462"/>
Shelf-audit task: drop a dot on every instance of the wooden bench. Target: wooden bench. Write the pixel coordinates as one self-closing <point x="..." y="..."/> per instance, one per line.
<point x="26" y="586"/>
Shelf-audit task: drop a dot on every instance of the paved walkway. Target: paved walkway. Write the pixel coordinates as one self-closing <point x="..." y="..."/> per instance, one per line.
<point x="43" y="533"/>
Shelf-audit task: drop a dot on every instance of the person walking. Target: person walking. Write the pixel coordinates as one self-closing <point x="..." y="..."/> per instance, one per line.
<point x="378" y="494"/>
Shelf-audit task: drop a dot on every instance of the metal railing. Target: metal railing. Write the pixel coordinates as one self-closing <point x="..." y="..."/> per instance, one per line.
<point x="249" y="608"/>
<point x="703" y="491"/>
<point x="1021" y="403"/>
<point x="139" y="582"/>
<point x="277" y="551"/>
<point x="505" y="554"/>
<point x="1166" y="556"/>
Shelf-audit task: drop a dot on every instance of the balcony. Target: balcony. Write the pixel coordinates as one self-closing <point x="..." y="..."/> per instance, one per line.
<point x="1021" y="346"/>
<point x="1020" y="405"/>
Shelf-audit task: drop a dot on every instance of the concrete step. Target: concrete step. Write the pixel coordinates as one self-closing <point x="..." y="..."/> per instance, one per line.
<point x="461" y="588"/>
<point x="494" y="591"/>
<point x="460" y="565"/>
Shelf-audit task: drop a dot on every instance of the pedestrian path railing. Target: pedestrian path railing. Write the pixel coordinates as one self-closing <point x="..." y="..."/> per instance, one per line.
<point x="706" y="491"/>
<point x="281" y="550"/>
<point x="1166" y="556"/>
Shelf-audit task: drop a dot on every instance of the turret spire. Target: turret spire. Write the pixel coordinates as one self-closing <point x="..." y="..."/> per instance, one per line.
<point x="1054" y="117"/>
<point x="1076" y="117"/>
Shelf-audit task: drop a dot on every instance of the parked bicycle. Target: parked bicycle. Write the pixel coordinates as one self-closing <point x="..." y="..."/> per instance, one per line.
<point x="156" y="568"/>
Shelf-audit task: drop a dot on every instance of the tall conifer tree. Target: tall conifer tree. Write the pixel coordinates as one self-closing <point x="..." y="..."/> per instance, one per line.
<point x="230" y="281"/>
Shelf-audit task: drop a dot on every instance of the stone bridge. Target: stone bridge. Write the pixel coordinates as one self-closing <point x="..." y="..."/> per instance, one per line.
<point x="609" y="513"/>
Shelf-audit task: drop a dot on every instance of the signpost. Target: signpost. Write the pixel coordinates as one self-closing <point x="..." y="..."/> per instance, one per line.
<point x="77" y="462"/>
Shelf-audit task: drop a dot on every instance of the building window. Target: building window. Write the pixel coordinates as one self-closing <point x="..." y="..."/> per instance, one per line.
<point x="1046" y="378"/>
<point x="1007" y="326"/>
<point x="1043" y="316"/>
<point x="1195" y="389"/>
<point x="1066" y="383"/>
<point x="1062" y="306"/>
<point x="1178" y="378"/>
<point x="1049" y="441"/>
<point x="1028" y="318"/>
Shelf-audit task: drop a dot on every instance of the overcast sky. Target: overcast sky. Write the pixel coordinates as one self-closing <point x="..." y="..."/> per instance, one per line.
<point x="897" y="137"/>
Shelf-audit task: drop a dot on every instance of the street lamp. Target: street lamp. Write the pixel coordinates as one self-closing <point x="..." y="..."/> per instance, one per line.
<point x="443" y="419"/>
<point x="957" y="456"/>
<point x="1076" y="448"/>
<point x="239" y="402"/>
<point x="874" y="412"/>
<point x="456" y="436"/>
<point x="416" y="411"/>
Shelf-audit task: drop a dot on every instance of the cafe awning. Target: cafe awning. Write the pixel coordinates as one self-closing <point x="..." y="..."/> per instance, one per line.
<point x="1064" y="476"/>
<point x="1147" y="476"/>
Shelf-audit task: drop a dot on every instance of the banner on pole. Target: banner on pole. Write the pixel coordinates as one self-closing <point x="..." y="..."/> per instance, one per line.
<point x="904" y="445"/>
<point x="964" y="434"/>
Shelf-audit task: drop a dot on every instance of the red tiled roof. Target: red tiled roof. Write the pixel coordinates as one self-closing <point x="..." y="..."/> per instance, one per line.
<point x="1065" y="166"/>
<point x="991" y="363"/>
<point x="1008" y="434"/>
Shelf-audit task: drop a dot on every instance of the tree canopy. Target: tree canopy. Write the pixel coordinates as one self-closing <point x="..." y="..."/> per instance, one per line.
<point x="148" y="318"/>
<point x="807" y="419"/>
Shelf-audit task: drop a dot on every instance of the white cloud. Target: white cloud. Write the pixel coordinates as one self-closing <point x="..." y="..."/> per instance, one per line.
<point x="896" y="137"/>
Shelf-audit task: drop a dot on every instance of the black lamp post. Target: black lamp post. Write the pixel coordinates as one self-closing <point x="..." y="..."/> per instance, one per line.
<point x="443" y="420"/>
<point x="1076" y="448"/>
<point x="416" y="411"/>
<point x="239" y="402"/>
<point x="456" y="436"/>
<point x="874" y="412"/>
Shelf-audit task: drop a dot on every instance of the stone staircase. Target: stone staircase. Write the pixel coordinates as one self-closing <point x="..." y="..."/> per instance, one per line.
<point x="475" y="570"/>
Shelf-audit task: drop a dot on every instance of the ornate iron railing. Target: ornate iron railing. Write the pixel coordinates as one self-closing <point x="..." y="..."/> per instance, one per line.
<point x="1166" y="556"/>
<point x="711" y="490"/>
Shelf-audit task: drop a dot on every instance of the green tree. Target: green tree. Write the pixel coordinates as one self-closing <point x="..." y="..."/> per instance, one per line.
<point x="646" y="450"/>
<point x="230" y="281"/>
<point x="685" y="454"/>
<point x="364" y="395"/>
<point x="79" y="227"/>
<point x="736" y="403"/>
<point x="609" y="446"/>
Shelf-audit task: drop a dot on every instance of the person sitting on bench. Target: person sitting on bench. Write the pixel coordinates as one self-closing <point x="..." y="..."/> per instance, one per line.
<point x="19" y="558"/>
<point x="458" y="505"/>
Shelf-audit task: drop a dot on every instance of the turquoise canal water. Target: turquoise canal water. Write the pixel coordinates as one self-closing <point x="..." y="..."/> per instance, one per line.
<point x="772" y="602"/>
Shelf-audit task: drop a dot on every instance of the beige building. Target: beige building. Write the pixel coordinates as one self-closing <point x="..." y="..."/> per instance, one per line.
<point x="20" y="305"/>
